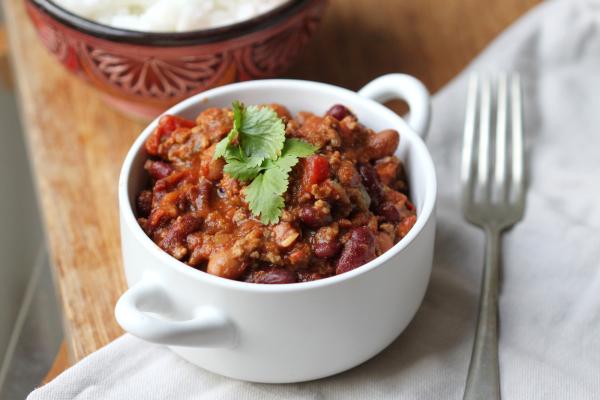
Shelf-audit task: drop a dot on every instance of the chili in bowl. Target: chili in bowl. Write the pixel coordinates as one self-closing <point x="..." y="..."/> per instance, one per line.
<point x="285" y="255"/>
<point x="343" y="202"/>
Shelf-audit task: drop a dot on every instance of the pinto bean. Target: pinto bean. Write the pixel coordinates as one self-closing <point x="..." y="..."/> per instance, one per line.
<point x="359" y="250"/>
<point x="383" y="144"/>
<point x="225" y="264"/>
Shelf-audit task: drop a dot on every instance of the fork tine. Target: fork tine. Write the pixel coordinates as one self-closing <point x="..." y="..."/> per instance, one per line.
<point x="469" y="135"/>
<point x="517" y="184"/>
<point x="500" y="166"/>
<point x="483" y="164"/>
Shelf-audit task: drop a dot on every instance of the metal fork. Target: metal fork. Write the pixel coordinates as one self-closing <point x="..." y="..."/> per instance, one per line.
<point x="493" y="198"/>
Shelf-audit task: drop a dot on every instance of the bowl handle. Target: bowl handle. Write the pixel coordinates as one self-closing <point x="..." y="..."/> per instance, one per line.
<point x="143" y="311"/>
<point x="407" y="88"/>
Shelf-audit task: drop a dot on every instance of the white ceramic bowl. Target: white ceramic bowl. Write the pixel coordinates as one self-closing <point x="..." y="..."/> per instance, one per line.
<point x="294" y="332"/>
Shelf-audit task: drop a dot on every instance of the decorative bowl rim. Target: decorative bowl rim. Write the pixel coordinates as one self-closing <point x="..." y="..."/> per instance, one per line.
<point x="171" y="39"/>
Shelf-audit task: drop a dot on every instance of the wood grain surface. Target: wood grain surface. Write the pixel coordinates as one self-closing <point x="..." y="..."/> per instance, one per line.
<point x="77" y="143"/>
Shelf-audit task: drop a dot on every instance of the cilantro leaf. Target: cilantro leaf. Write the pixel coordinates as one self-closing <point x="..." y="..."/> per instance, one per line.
<point x="264" y="195"/>
<point x="237" y="108"/>
<point x="262" y="155"/>
<point x="293" y="149"/>
<point x="222" y="146"/>
<point x="239" y="166"/>
<point x="242" y="170"/>
<point x="262" y="132"/>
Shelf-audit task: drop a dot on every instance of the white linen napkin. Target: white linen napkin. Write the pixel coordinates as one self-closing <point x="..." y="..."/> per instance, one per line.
<point x="550" y="297"/>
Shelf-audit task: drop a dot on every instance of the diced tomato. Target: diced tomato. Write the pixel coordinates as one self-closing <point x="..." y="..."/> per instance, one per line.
<point x="166" y="126"/>
<point x="316" y="170"/>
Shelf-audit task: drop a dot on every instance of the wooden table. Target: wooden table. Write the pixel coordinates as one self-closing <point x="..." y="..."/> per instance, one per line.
<point x="77" y="143"/>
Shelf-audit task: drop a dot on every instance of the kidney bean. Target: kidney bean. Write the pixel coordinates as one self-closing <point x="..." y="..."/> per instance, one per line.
<point x="316" y="170"/>
<point x="371" y="183"/>
<point x="359" y="250"/>
<point x="273" y="275"/>
<point x="389" y="212"/>
<point x="144" y="203"/>
<point x="312" y="218"/>
<point x="338" y="112"/>
<point x="182" y="227"/>
<point x="174" y="240"/>
<point x="158" y="169"/>
<point x="325" y="243"/>
<point x="326" y="248"/>
<point x="383" y="144"/>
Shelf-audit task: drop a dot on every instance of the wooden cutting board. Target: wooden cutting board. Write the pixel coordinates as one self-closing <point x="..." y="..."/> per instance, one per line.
<point x="77" y="143"/>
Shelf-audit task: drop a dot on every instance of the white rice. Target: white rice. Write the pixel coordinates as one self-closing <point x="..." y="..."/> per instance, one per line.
<point x="168" y="15"/>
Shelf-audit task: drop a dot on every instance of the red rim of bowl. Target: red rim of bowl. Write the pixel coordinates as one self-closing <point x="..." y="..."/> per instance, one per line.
<point x="260" y="22"/>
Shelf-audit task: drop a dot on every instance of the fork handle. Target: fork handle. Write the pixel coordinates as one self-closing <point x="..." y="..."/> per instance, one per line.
<point x="483" y="380"/>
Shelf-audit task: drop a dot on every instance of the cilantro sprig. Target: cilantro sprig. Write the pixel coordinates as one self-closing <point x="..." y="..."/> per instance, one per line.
<point x="256" y="150"/>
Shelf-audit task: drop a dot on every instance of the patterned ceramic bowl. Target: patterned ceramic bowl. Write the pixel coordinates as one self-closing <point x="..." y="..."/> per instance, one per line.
<point x="144" y="73"/>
